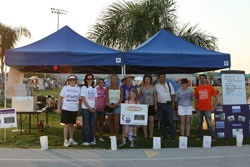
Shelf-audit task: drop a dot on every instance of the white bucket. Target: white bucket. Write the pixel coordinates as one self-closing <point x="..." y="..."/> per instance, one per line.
<point x="156" y="143"/>
<point x="239" y="140"/>
<point x="207" y="141"/>
<point x="183" y="142"/>
<point x="113" y="143"/>
<point x="44" y="142"/>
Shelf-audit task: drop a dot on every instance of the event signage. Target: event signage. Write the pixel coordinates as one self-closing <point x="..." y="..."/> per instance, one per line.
<point x="232" y="120"/>
<point x="8" y="118"/>
<point x="233" y="87"/>
<point x="134" y="114"/>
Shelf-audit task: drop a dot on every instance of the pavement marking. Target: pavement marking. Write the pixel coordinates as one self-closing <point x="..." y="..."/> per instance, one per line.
<point x="154" y="159"/>
<point x="150" y="154"/>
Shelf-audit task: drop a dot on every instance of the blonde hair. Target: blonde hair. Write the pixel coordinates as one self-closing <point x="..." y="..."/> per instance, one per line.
<point x="136" y="97"/>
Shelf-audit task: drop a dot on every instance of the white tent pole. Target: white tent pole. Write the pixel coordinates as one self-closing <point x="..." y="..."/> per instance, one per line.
<point x="5" y="80"/>
<point x="124" y="72"/>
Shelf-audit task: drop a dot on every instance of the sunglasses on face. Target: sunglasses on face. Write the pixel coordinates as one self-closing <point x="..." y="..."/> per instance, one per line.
<point x="90" y="79"/>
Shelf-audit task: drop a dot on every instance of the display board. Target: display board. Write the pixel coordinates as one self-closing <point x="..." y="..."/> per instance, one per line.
<point x="134" y="114"/>
<point x="231" y="120"/>
<point x="8" y="118"/>
<point x="233" y="87"/>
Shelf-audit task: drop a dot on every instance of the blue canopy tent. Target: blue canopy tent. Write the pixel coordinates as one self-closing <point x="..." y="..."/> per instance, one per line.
<point x="168" y="53"/>
<point x="65" y="51"/>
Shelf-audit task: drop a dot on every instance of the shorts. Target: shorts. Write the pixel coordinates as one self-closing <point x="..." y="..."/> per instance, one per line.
<point x="151" y="110"/>
<point x="68" y="117"/>
<point x="117" y="110"/>
<point x="100" y="113"/>
<point x="185" y="110"/>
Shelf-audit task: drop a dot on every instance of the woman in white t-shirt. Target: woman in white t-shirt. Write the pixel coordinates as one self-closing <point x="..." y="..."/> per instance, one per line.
<point x="89" y="105"/>
<point x="69" y="103"/>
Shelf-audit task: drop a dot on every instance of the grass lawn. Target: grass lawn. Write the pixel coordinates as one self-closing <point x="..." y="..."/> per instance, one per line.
<point x="55" y="134"/>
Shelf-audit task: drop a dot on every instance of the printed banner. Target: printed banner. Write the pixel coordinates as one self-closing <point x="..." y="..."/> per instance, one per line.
<point x="134" y="114"/>
<point x="8" y="118"/>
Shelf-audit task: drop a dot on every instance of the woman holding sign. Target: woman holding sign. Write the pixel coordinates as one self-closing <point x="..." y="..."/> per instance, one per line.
<point x="69" y="101"/>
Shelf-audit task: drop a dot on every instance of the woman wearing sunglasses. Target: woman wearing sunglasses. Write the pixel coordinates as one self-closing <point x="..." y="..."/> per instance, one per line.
<point x="89" y="105"/>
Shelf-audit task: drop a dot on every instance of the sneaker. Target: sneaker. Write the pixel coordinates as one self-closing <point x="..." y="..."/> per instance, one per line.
<point x="85" y="143"/>
<point x="198" y="139"/>
<point x="94" y="140"/>
<point x="72" y="141"/>
<point x="93" y="143"/>
<point x="101" y="139"/>
<point x="173" y="140"/>
<point x="124" y="142"/>
<point x="66" y="143"/>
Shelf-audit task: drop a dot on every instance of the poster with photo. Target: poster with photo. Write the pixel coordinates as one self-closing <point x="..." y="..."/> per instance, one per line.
<point x="235" y="119"/>
<point x="8" y="118"/>
<point x="134" y="114"/>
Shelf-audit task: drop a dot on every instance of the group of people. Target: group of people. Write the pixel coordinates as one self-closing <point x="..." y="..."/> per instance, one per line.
<point x="92" y="100"/>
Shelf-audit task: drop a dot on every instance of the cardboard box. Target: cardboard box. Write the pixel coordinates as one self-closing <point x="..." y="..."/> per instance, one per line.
<point x="24" y="103"/>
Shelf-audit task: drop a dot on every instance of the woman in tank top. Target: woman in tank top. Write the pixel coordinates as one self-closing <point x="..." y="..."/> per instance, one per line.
<point x="148" y="96"/>
<point x="114" y="98"/>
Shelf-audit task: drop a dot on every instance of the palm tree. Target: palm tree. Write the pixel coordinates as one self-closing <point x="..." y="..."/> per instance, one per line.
<point x="9" y="37"/>
<point x="125" y="25"/>
<point x="197" y="37"/>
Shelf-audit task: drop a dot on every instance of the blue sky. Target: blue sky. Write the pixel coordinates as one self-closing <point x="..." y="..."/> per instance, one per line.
<point x="228" y="20"/>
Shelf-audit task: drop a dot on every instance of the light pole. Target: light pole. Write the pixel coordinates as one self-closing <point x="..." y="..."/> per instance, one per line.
<point x="58" y="12"/>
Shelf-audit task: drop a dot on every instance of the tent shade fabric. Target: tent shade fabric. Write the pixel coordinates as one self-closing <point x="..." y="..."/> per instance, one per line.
<point x="64" y="48"/>
<point x="71" y="69"/>
<point x="168" y="53"/>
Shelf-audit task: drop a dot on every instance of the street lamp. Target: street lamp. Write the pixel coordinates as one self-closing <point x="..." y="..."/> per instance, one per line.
<point x="58" y="12"/>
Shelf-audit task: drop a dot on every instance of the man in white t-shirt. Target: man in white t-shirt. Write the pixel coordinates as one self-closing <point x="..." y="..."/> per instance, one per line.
<point x="165" y="98"/>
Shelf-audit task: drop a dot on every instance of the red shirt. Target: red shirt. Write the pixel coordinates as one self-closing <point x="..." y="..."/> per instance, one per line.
<point x="204" y="97"/>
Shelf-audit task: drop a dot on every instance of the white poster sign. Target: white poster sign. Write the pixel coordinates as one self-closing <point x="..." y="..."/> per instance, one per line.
<point x="233" y="88"/>
<point x="8" y="118"/>
<point x="134" y="114"/>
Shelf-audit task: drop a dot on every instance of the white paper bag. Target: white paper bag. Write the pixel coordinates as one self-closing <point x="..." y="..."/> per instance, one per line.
<point x="156" y="143"/>
<point x="239" y="140"/>
<point x="113" y="143"/>
<point x="207" y="141"/>
<point x="44" y="142"/>
<point x="183" y="142"/>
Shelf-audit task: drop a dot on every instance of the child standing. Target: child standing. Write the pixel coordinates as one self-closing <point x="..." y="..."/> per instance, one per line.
<point x="100" y="114"/>
<point x="132" y="99"/>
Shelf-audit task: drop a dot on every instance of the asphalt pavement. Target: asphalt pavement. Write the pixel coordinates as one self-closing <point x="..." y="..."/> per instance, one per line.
<point x="230" y="156"/>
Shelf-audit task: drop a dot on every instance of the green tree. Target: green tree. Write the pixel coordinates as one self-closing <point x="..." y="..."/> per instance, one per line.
<point x="125" y="25"/>
<point x="9" y="37"/>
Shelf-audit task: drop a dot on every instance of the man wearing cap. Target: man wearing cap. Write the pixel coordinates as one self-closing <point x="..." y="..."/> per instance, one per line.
<point x="165" y="102"/>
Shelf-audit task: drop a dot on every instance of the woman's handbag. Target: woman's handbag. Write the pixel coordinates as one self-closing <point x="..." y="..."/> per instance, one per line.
<point x="108" y="109"/>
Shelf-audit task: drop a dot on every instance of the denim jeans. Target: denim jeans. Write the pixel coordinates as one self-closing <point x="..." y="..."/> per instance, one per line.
<point x="166" y="113"/>
<point x="88" y="125"/>
<point x="207" y="115"/>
